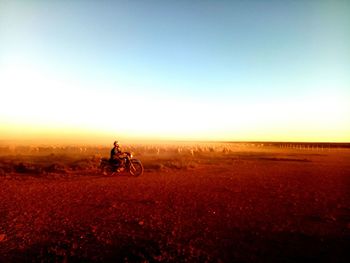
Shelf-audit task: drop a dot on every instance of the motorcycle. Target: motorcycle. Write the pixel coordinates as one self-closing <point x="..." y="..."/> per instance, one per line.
<point x="126" y="163"/>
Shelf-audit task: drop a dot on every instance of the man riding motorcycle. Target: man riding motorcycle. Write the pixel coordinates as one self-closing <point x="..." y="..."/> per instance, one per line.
<point x="116" y="156"/>
<point x="120" y="161"/>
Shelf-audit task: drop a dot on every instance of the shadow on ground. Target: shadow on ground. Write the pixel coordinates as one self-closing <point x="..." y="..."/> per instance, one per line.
<point x="238" y="247"/>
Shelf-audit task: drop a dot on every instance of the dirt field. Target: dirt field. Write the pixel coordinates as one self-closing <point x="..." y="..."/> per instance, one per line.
<point x="248" y="204"/>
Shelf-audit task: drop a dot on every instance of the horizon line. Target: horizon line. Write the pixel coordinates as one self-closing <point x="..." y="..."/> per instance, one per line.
<point x="27" y="142"/>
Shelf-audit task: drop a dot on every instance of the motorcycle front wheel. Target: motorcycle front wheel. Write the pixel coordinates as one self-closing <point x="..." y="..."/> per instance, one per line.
<point x="136" y="168"/>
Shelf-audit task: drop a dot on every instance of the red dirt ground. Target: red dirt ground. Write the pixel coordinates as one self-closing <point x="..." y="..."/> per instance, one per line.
<point x="276" y="206"/>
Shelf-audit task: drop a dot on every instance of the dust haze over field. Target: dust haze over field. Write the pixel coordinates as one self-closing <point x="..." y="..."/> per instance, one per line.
<point x="216" y="202"/>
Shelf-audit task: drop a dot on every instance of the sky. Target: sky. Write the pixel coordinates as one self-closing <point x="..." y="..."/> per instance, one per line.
<point x="179" y="70"/>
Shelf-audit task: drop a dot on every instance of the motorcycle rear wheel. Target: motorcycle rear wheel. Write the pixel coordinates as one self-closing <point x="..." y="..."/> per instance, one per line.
<point x="107" y="170"/>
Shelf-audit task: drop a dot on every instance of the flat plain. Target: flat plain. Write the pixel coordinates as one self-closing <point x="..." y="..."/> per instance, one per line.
<point x="195" y="203"/>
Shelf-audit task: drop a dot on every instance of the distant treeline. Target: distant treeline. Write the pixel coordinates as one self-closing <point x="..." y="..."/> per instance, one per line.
<point x="51" y="149"/>
<point x="309" y="145"/>
<point x="179" y="147"/>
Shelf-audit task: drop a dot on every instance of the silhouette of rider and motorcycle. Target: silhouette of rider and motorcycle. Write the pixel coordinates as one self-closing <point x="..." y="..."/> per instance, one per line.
<point x="120" y="161"/>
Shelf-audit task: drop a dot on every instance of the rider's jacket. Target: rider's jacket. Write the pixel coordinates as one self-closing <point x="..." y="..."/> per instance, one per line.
<point x="115" y="152"/>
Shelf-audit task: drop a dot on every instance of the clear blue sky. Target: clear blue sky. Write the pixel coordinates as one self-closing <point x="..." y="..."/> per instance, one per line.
<point x="209" y="54"/>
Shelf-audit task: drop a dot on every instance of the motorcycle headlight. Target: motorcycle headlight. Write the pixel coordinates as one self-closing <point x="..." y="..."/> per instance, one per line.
<point x="131" y="155"/>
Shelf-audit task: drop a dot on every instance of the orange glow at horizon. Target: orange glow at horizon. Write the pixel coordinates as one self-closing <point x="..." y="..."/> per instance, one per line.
<point x="42" y="133"/>
<point x="70" y="109"/>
